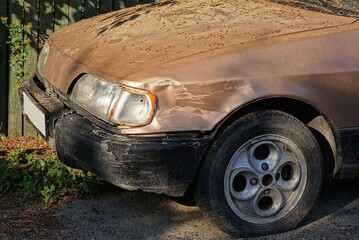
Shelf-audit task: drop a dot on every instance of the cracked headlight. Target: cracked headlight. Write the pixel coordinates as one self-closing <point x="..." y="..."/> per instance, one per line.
<point x="114" y="103"/>
<point x="43" y="58"/>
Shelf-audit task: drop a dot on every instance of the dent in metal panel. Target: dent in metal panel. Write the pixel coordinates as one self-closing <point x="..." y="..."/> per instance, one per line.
<point x="194" y="106"/>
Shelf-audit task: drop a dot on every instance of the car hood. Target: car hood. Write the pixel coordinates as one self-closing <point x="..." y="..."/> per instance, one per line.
<point x="121" y="44"/>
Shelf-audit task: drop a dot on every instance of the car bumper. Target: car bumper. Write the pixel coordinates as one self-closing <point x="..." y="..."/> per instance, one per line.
<point x="161" y="164"/>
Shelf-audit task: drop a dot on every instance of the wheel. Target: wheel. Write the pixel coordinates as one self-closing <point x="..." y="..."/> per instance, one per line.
<point x="261" y="176"/>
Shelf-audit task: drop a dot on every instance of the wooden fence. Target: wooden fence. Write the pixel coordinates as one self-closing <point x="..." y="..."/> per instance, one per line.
<point x="46" y="16"/>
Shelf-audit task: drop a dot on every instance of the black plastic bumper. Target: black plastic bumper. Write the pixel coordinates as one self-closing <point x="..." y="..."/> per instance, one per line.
<point x="154" y="164"/>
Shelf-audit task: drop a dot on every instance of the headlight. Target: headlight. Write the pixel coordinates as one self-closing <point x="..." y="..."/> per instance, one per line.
<point x="43" y="58"/>
<point x="114" y="103"/>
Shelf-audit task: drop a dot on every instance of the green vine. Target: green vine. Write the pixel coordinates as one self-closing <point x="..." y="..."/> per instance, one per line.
<point x="19" y="43"/>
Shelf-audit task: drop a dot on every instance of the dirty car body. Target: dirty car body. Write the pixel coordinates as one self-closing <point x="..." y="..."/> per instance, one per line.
<point x="144" y="96"/>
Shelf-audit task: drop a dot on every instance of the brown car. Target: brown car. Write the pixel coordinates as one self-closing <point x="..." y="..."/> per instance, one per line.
<point x="246" y="105"/>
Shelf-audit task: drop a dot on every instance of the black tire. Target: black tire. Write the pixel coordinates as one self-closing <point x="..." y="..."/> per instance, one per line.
<point x="234" y="169"/>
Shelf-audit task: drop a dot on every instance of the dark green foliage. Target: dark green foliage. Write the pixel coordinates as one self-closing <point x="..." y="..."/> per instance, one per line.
<point x="32" y="177"/>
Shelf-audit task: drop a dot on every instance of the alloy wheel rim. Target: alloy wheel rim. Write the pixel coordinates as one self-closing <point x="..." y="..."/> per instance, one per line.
<point x="265" y="179"/>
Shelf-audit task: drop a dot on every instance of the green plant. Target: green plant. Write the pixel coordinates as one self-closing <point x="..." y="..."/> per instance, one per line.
<point x="19" y="43"/>
<point x="33" y="177"/>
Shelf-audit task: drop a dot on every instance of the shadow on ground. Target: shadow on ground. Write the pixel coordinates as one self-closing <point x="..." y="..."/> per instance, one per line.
<point x="114" y="213"/>
<point x="120" y="214"/>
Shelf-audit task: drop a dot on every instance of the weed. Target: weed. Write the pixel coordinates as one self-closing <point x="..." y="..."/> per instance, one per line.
<point x="19" y="43"/>
<point x="32" y="177"/>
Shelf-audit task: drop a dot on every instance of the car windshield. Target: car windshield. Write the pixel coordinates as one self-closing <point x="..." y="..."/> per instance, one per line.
<point x="349" y="8"/>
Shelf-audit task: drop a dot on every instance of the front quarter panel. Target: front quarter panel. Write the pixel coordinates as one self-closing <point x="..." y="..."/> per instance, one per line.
<point x="198" y="92"/>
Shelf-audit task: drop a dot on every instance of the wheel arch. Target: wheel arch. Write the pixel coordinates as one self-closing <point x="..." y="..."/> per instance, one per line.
<point x="321" y="127"/>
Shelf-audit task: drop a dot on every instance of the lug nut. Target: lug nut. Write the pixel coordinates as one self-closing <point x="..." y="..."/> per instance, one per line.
<point x="254" y="181"/>
<point x="265" y="167"/>
<point x="266" y="192"/>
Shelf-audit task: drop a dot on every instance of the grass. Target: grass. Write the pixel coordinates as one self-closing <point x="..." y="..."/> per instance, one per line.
<point x="31" y="177"/>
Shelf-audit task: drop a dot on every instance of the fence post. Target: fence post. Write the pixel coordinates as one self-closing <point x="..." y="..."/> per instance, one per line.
<point x="3" y="70"/>
<point x="61" y="17"/>
<point x="16" y="9"/>
<point x="46" y="21"/>
<point x="31" y="16"/>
